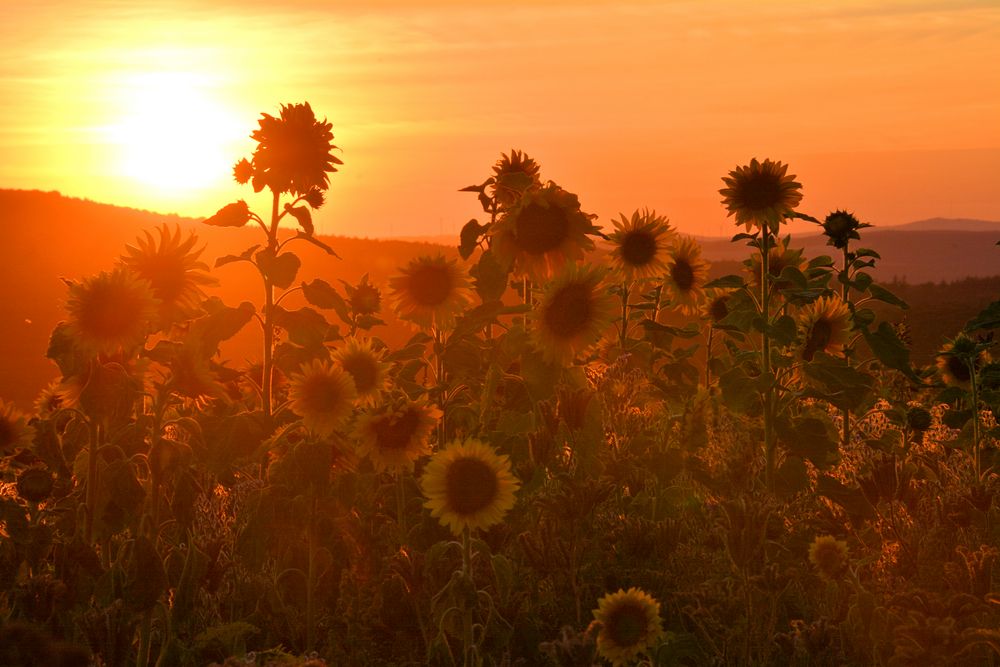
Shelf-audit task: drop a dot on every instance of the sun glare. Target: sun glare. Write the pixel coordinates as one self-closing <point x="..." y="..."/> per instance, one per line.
<point x="173" y="134"/>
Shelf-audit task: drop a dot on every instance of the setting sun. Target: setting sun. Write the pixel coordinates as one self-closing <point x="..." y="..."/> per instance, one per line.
<point x="173" y="135"/>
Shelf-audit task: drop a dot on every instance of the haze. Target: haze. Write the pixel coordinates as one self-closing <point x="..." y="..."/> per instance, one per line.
<point x="888" y="109"/>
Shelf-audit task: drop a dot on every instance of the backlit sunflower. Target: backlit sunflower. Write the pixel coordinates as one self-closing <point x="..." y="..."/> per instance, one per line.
<point x="779" y="257"/>
<point x="629" y="623"/>
<point x="323" y="395"/>
<point x="294" y="151"/>
<point x="396" y="434"/>
<point x="56" y="396"/>
<point x="840" y="227"/>
<point x="687" y="274"/>
<point x="431" y="291"/>
<point x="468" y="485"/>
<point x="364" y="299"/>
<point x="761" y="193"/>
<point x="365" y="365"/>
<point x="110" y="312"/>
<point x="170" y="265"/>
<point x="825" y="325"/>
<point x="716" y="305"/>
<point x="640" y="245"/>
<point x="829" y="555"/>
<point x="574" y="311"/>
<point x="954" y="359"/>
<point x="15" y="432"/>
<point x="513" y="175"/>
<point x="543" y="231"/>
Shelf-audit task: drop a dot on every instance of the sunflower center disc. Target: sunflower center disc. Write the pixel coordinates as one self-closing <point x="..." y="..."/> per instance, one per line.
<point x="365" y="300"/>
<point x="167" y="275"/>
<point x="539" y="230"/>
<point x="958" y="369"/>
<point x="627" y="625"/>
<point x="395" y="434"/>
<point x="638" y="249"/>
<point x="762" y="191"/>
<point x="569" y="311"/>
<point x="471" y="485"/>
<point x="819" y="338"/>
<point x="363" y="369"/>
<point x="6" y="434"/>
<point x="113" y="313"/>
<point x="718" y="310"/>
<point x="430" y="285"/>
<point x="321" y="393"/>
<point x="682" y="274"/>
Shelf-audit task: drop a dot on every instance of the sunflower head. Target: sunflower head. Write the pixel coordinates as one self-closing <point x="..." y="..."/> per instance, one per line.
<point x="629" y="624"/>
<point x="365" y="365"/>
<point x="15" y="432"/>
<point x="574" y="311"/>
<point x="687" y="274"/>
<point x="170" y="265"/>
<point x="431" y="291"/>
<point x="52" y="399"/>
<point x="716" y="305"/>
<point x="779" y="257"/>
<point x="110" y="312"/>
<point x="363" y="298"/>
<point x="397" y="433"/>
<point x="918" y="418"/>
<point x="323" y="395"/>
<point x="829" y="555"/>
<point x="543" y="231"/>
<point x="956" y="360"/>
<point x="639" y="245"/>
<point x="840" y="227"/>
<point x="826" y="326"/>
<point x="294" y="152"/>
<point x="513" y="175"/>
<point x="761" y="193"/>
<point x="468" y="486"/>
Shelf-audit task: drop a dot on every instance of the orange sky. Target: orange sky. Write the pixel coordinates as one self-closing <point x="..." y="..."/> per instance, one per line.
<point x="890" y="109"/>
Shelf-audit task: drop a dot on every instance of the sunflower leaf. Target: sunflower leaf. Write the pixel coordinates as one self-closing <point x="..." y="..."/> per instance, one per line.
<point x="236" y="214"/>
<point x="988" y="318"/>
<point x="245" y="256"/>
<point x="279" y="269"/>
<point x="890" y="350"/>
<point x="882" y="294"/>
<point x="303" y="216"/>
<point x="469" y="238"/>
<point x="221" y="323"/>
<point x="305" y="326"/>
<point x="316" y="242"/>
<point x="322" y="295"/>
<point x="726" y="282"/>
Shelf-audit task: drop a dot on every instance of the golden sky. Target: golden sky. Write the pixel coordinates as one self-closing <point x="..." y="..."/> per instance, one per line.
<point x="889" y="109"/>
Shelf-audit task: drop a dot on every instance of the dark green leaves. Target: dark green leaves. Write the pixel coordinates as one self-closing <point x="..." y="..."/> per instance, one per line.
<point x="236" y="214"/>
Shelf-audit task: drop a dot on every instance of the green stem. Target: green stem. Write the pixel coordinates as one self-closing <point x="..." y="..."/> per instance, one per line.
<point x="467" y="647"/>
<point x="845" y="294"/>
<point x="623" y="334"/>
<point x="976" y="436"/>
<point x="311" y="576"/>
<point x="401" y="507"/>
<point x="765" y="302"/>
<point x="268" y="363"/>
<point x="92" y="478"/>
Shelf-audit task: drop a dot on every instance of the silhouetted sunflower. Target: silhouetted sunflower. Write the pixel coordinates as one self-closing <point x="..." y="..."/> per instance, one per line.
<point x="294" y="151"/>
<point x="365" y="365"/>
<point x="687" y="274"/>
<point x="52" y="399"/>
<point x="14" y="429"/>
<point x="543" y="231"/>
<point x="761" y="193"/>
<point x="431" y="291"/>
<point x="840" y="227"/>
<point x="829" y="555"/>
<point x="468" y="485"/>
<point x="110" y="312"/>
<point x="364" y="298"/>
<point x="826" y="326"/>
<point x="574" y="311"/>
<point x="323" y="395"/>
<point x="954" y="359"/>
<point x="513" y="175"/>
<point x="629" y="624"/>
<point x="170" y="265"/>
<point x="716" y="305"/>
<point x="640" y="245"/>
<point x="395" y="435"/>
<point x="778" y="258"/>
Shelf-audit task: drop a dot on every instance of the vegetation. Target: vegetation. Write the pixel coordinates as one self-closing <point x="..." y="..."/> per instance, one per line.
<point x="572" y="458"/>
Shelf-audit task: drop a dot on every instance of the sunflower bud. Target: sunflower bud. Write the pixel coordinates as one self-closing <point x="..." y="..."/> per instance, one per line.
<point x="34" y="485"/>
<point x="840" y="227"/>
<point x="315" y="198"/>
<point x="243" y="171"/>
<point x="918" y="419"/>
<point x="236" y="214"/>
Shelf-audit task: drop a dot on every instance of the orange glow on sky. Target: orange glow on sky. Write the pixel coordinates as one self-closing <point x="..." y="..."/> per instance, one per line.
<point x="890" y="109"/>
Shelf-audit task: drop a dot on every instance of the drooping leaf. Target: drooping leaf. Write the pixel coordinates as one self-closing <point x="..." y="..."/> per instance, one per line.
<point x="851" y="499"/>
<point x="469" y="238"/>
<point x="726" y="282"/>
<point x="988" y="318"/>
<point x="739" y="391"/>
<point x="490" y="277"/>
<point x="245" y="256"/>
<point x="220" y="323"/>
<point x="305" y="326"/>
<point x="236" y="214"/>
<point x="303" y="216"/>
<point x="281" y="269"/>
<point x="323" y="295"/>
<point x="147" y="580"/>
<point x="890" y="350"/>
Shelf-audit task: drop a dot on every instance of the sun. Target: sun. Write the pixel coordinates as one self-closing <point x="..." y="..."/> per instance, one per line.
<point x="173" y="134"/>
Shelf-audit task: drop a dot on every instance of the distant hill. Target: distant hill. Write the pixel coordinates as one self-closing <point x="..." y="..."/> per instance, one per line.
<point x="950" y="225"/>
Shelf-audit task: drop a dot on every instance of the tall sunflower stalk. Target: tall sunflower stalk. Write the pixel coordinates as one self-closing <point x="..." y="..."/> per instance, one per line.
<point x="293" y="155"/>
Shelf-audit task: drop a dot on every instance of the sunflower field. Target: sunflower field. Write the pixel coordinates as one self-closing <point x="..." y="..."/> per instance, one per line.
<point x="586" y="452"/>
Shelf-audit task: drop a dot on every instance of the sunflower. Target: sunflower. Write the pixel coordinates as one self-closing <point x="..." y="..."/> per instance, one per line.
<point x="826" y="326"/>
<point x="294" y="152"/>
<point x="396" y="434"/>
<point x="640" y="244"/>
<point x="687" y="274"/>
<point x="170" y="265"/>
<point x="431" y="291"/>
<point x="543" y="231"/>
<point x="955" y="358"/>
<point x="840" y="227"/>
<point x="829" y="555"/>
<point x="761" y="193"/>
<point x="574" y="311"/>
<point x="716" y="305"/>
<point x="779" y="257"/>
<point x="365" y="365"/>
<point x="56" y="396"/>
<point x="468" y="485"/>
<point x="322" y="394"/>
<point x="364" y="299"/>
<point x="629" y="623"/>
<point x="110" y="312"/>
<point x="513" y="175"/>
<point x="14" y="429"/>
